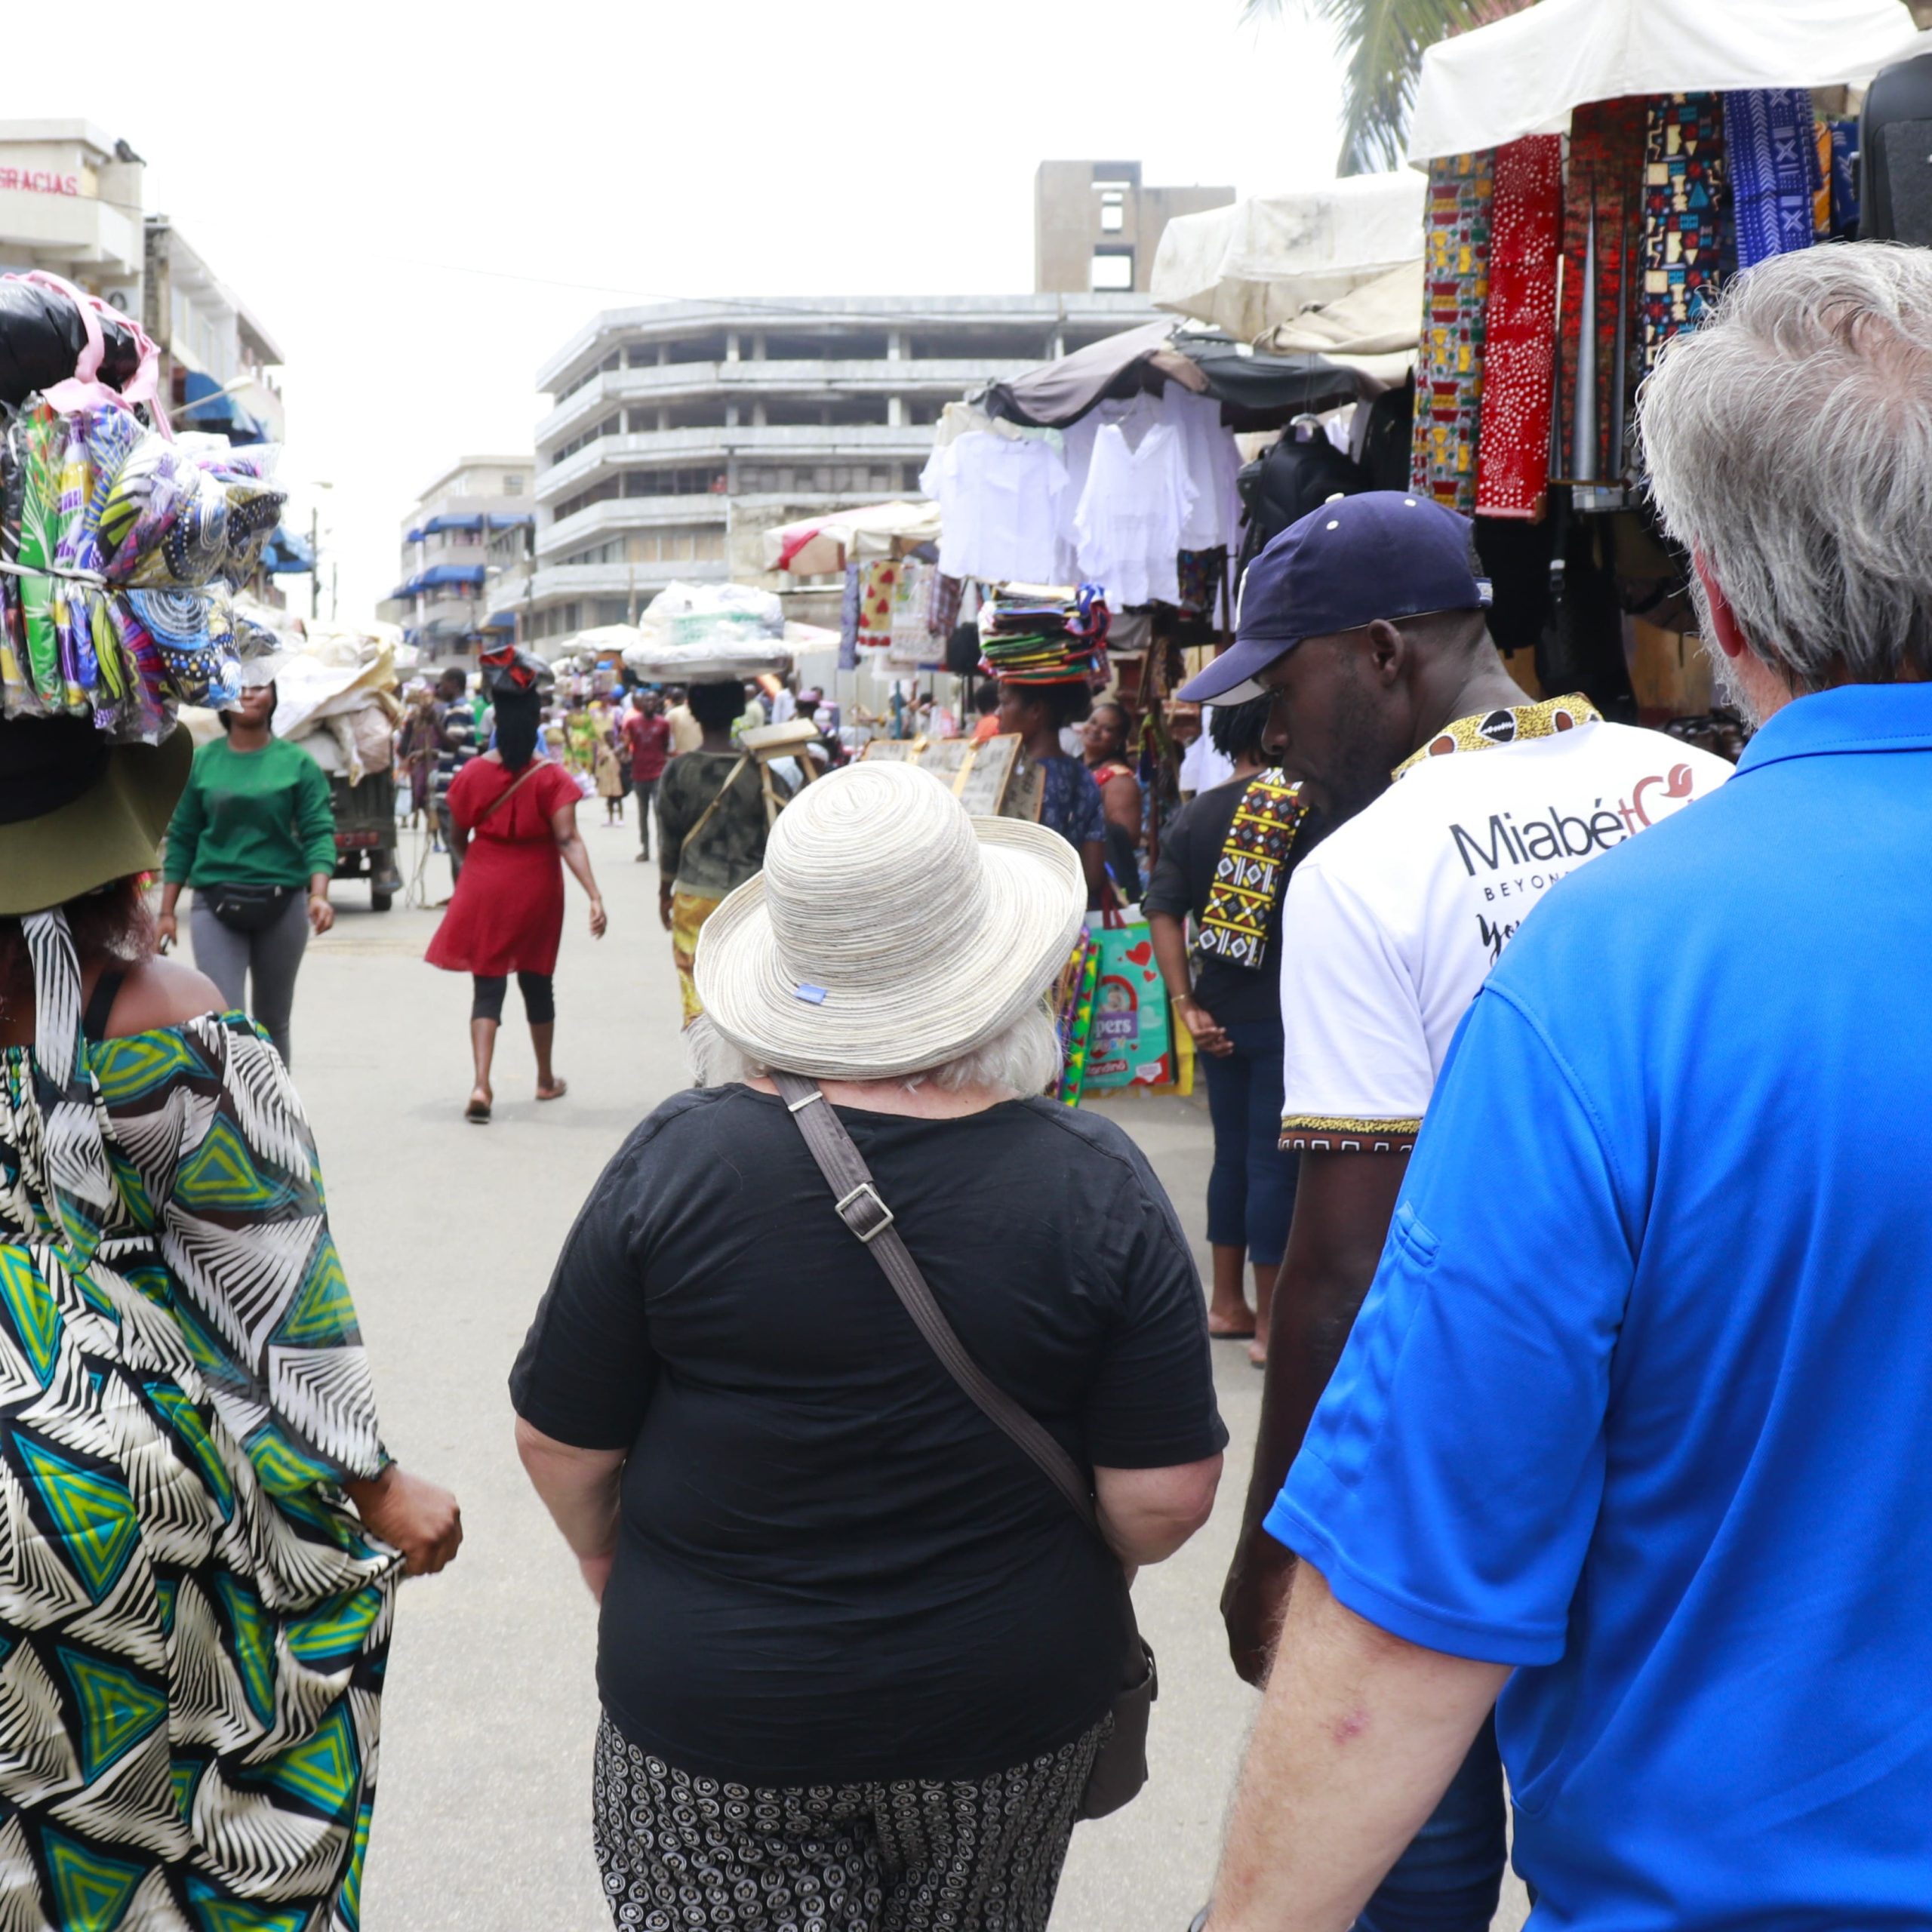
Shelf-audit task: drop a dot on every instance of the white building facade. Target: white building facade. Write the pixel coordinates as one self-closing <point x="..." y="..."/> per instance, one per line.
<point x="467" y="532"/>
<point x="680" y="433"/>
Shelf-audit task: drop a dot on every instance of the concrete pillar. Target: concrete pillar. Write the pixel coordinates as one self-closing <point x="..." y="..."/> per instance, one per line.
<point x="895" y="345"/>
<point x="758" y="414"/>
<point x="663" y="354"/>
<point x="731" y="415"/>
<point x="758" y="347"/>
<point x="731" y="345"/>
<point x="895" y="412"/>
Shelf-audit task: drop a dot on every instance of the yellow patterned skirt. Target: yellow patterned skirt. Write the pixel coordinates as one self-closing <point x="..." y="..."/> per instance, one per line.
<point x="689" y="911"/>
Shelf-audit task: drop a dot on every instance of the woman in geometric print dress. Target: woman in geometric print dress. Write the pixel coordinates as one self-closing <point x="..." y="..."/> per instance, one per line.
<point x="200" y="1531"/>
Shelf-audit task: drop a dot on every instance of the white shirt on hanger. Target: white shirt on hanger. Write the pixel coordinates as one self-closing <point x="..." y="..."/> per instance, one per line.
<point x="1136" y="503"/>
<point x="1213" y="462"/>
<point x="998" y="503"/>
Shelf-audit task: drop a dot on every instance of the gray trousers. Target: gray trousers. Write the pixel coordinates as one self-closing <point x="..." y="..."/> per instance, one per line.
<point x="268" y="959"/>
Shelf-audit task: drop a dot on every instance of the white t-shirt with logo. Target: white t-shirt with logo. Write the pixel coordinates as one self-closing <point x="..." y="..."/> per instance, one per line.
<point x="1392" y="922"/>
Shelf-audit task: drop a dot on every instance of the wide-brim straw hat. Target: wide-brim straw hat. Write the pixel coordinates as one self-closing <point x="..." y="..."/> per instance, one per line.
<point x="76" y="813"/>
<point x="889" y="932"/>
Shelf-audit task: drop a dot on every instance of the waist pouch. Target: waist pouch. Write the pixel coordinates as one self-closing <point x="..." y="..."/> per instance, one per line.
<point x="245" y="908"/>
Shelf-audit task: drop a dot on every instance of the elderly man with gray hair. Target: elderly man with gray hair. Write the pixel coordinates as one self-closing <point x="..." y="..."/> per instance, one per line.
<point x="1633" y="1428"/>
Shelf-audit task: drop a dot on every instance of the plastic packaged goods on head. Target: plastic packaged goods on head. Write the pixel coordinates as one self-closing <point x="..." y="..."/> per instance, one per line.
<point x="42" y="334"/>
<point x="118" y="550"/>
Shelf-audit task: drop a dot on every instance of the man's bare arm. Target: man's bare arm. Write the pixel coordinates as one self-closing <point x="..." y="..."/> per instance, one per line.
<point x="1343" y="1204"/>
<point x="1358" y="1737"/>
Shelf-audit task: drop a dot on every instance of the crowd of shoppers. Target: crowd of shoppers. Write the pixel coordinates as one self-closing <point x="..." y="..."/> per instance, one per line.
<point x="1583" y="1202"/>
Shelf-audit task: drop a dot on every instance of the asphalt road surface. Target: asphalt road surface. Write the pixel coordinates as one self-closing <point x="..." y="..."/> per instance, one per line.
<point x="448" y="1232"/>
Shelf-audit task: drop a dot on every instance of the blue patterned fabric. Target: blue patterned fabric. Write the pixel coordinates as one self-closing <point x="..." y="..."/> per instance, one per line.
<point x="1070" y="802"/>
<point x="1774" y="181"/>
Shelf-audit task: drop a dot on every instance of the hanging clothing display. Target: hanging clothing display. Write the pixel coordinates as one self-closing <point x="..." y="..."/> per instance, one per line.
<point x="1214" y="462"/>
<point x="1519" y="352"/>
<point x="878" y="593"/>
<point x="1843" y="175"/>
<point x="911" y="645"/>
<point x="1131" y="514"/>
<point x="1133" y="416"/>
<point x="942" y="601"/>
<point x="999" y="503"/>
<point x="848" y="620"/>
<point x="1685" y="209"/>
<point x="1603" y="215"/>
<point x="1449" y="362"/>
<point x="1770" y="144"/>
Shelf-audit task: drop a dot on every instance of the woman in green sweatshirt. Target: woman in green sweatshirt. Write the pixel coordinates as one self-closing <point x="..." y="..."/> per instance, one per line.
<point x="254" y="834"/>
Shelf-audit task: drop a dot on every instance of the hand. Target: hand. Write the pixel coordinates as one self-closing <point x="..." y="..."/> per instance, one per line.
<point x="664" y="907"/>
<point x="1209" y="1036"/>
<point x="597" y="921"/>
<point x="1253" y="1600"/>
<point x="167" y="932"/>
<point x="322" y="914"/>
<point x="596" y="1571"/>
<point x="413" y="1514"/>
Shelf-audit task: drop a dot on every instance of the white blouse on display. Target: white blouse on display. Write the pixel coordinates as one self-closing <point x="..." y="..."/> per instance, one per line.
<point x="998" y="499"/>
<point x="1132" y="512"/>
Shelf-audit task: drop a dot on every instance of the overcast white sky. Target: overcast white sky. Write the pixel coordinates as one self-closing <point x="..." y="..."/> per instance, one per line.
<point x="422" y="201"/>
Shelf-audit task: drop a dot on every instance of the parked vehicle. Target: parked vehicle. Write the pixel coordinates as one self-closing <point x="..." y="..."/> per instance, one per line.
<point x="365" y="834"/>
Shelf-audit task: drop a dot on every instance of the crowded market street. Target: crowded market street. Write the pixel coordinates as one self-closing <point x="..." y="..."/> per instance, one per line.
<point x="447" y="1235"/>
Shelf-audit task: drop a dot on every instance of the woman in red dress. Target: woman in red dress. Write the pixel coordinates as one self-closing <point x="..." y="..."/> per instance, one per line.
<point x="514" y="816"/>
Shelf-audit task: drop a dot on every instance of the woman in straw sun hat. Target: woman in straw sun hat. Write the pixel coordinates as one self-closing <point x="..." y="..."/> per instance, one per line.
<point x="829" y="1574"/>
<point x="194" y="1620"/>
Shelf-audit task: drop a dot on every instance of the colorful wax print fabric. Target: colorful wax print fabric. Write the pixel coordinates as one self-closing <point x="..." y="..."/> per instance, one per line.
<point x="1455" y="303"/>
<point x="1686" y="211"/>
<point x="878" y="598"/>
<point x="1845" y="179"/>
<point x="1251" y="871"/>
<point x="193" y="1622"/>
<point x="1603" y="203"/>
<point x="1519" y="350"/>
<point x="1771" y="148"/>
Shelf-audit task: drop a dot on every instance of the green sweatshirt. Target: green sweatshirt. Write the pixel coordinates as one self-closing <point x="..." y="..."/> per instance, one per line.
<point x="252" y="818"/>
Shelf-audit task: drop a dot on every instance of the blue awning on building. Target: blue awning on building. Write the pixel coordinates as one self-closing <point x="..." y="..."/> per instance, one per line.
<point x="516" y="520"/>
<point x="504" y="620"/>
<point x="439" y="575"/>
<point x="287" y="553"/>
<point x="414" y="537"/>
<point x="207" y="407"/>
<point x="437" y="523"/>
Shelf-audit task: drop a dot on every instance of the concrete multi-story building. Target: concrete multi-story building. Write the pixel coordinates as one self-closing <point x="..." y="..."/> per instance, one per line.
<point x="70" y="203"/>
<point x="469" y="527"/>
<point x="1096" y="227"/>
<point x="218" y="361"/>
<point x="680" y="433"/>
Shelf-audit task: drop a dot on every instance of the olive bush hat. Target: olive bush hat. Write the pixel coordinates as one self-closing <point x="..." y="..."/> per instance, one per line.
<point x="78" y="812"/>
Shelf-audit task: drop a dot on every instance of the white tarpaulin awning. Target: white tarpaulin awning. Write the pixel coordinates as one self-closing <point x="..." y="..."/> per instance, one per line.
<point x="1374" y="329"/>
<point x="822" y="544"/>
<point x="1262" y="261"/>
<point x="1523" y="75"/>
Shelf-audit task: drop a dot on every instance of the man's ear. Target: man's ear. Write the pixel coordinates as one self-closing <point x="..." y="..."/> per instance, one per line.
<point x="1387" y="651"/>
<point x="1725" y="632"/>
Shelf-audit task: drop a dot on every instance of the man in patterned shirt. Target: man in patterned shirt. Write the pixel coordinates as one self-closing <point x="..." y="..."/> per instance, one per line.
<point x="1365" y="620"/>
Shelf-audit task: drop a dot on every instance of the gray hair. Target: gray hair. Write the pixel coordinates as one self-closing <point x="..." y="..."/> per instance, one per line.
<point x="1025" y="1058"/>
<point x="1789" y="445"/>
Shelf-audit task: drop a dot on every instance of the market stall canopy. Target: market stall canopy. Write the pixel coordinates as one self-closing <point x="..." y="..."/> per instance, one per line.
<point x="1523" y="75"/>
<point x="1373" y="331"/>
<point x="600" y="641"/>
<point x="1249" y="267"/>
<point x="1058" y="393"/>
<point x="819" y="545"/>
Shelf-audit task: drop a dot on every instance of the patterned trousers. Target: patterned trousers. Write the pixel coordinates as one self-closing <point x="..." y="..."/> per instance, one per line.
<point x="679" y="1852"/>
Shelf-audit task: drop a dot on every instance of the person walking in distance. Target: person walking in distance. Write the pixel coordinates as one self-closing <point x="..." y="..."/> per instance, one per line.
<point x="862" y="1658"/>
<point x="255" y="836"/>
<point x="456" y="746"/>
<point x="1225" y="861"/>
<point x="1642" y="1449"/>
<point x="1454" y="805"/>
<point x="519" y="813"/>
<point x="648" y="732"/>
<point x="204" y="1531"/>
<point x="713" y="822"/>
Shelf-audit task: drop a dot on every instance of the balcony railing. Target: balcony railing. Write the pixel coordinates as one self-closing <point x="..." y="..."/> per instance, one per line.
<point x="824" y="441"/>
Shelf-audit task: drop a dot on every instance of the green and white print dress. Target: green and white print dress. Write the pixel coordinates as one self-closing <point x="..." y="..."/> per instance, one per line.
<point x="193" y="1622"/>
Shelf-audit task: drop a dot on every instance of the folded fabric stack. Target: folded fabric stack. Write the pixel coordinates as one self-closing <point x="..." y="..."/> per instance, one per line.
<point x="1035" y="634"/>
<point x="119" y="550"/>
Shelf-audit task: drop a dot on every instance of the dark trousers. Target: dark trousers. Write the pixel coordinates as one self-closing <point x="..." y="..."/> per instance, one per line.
<point x="1451" y="1877"/>
<point x="1251" y="1190"/>
<point x="645" y="790"/>
<point x="539" y="991"/>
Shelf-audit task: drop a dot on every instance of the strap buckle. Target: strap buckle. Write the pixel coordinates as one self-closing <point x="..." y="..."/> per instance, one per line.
<point x="864" y="1213"/>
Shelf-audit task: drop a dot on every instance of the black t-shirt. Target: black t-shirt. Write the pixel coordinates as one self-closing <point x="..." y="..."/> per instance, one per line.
<point x="832" y="1567"/>
<point x="1183" y="877"/>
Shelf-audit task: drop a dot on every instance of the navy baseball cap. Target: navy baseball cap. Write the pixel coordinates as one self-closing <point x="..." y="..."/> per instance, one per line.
<point x="1383" y="554"/>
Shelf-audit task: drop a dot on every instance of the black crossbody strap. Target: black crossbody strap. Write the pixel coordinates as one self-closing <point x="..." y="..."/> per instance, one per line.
<point x="862" y="1210"/>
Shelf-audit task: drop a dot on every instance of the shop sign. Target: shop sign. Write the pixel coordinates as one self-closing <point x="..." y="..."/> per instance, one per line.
<point x="39" y="181"/>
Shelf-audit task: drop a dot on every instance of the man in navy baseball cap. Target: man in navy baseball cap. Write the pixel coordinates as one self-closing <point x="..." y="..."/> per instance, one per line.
<point x="1364" y="621"/>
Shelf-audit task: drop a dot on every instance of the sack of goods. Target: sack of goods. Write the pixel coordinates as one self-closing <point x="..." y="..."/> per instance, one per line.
<point x="1035" y="634"/>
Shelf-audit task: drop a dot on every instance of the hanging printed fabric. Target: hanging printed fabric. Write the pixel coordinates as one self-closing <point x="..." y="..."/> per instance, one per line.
<point x="1772" y="151"/>
<point x="848" y="620"/>
<point x="1455" y="298"/>
<point x="878" y="587"/>
<point x="1519" y="345"/>
<point x="913" y="647"/>
<point x="1685" y="206"/>
<point x="1603" y="215"/>
<point x="1845" y="179"/>
<point x="1251" y="872"/>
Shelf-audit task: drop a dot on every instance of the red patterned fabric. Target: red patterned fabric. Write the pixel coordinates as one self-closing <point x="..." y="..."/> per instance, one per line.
<point x="1606" y="174"/>
<point x="1519" y="353"/>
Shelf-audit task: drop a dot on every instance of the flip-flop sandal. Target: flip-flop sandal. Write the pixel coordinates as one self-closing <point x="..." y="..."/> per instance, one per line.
<point x="1230" y="1334"/>
<point x="478" y="1113"/>
<point x="556" y="1093"/>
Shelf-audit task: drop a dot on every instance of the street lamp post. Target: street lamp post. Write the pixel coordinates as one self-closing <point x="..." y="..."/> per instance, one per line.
<point x="315" y="556"/>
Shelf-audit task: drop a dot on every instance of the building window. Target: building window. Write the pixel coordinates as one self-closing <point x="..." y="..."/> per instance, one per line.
<point x="1113" y="210"/>
<point x="512" y="483"/>
<point x="1113" y="271"/>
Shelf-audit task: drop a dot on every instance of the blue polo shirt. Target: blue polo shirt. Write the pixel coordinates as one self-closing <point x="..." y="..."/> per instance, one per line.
<point x="1641" y="1401"/>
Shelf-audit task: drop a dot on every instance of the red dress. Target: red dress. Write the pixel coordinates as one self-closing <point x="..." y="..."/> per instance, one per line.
<point x="507" y="914"/>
